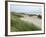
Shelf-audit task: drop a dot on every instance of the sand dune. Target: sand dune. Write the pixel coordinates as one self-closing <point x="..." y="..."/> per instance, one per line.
<point x="33" y="19"/>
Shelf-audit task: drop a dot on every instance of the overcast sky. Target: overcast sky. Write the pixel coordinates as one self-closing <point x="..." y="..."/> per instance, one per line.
<point x="25" y="9"/>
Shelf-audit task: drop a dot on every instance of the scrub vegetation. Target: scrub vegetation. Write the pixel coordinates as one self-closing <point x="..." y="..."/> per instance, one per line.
<point x="18" y="25"/>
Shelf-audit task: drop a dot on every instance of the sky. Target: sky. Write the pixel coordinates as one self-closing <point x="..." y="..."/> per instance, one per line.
<point x="25" y="9"/>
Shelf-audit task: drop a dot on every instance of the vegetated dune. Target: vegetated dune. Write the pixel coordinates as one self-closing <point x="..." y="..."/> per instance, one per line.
<point x="17" y="24"/>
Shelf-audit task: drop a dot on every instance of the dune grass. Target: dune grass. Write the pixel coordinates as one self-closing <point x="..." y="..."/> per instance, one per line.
<point x="19" y="25"/>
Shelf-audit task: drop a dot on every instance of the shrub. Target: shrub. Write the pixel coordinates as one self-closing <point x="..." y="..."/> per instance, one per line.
<point x="18" y="15"/>
<point x="39" y="16"/>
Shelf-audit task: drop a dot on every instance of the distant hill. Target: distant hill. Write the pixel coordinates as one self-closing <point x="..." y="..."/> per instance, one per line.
<point x="21" y="13"/>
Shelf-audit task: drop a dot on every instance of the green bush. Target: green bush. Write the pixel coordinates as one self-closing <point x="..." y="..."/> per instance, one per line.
<point x="16" y="14"/>
<point x="39" y="16"/>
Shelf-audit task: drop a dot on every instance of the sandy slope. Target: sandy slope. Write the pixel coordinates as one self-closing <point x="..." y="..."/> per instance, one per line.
<point x="36" y="21"/>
